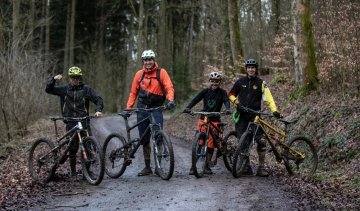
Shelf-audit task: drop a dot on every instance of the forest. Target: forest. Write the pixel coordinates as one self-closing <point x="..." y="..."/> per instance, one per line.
<point x="310" y="48"/>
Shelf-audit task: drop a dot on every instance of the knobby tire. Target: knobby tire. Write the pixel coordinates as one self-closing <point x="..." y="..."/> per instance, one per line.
<point x="199" y="154"/>
<point x="163" y="155"/>
<point x="115" y="155"/>
<point x="241" y="154"/>
<point x="302" y="168"/>
<point x="93" y="166"/>
<point x="231" y="141"/>
<point x="42" y="168"/>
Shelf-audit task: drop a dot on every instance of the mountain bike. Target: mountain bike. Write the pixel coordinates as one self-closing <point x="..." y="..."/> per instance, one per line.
<point x="225" y="146"/>
<point x="119" y="151"/>
<point x="298" y="153"/>
<point x="45" y="155"/>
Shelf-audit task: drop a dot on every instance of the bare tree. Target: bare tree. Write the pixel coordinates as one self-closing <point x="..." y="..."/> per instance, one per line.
<point x="304" y="51"/>
<point x="235" y="39"/>
<point x="141" y="41"/>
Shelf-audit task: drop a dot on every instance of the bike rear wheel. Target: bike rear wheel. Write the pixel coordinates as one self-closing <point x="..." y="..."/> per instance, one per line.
<point x="231" y="141"/>
<point x="115" y="155"/>
<point x="42" y="160"/>
<point x="163" y="155"/>
<point x="302" y="167"/>
<point x="199" y="154"/>
<point x="92" y="161"/>
<point x="241" y="155"/>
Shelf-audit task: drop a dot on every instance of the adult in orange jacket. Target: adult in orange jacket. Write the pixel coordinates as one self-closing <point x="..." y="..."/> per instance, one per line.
<point x="151" y="86"/>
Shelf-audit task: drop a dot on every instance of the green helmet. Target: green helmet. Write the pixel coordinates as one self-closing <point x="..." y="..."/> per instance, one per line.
<point x="74" y="71"/>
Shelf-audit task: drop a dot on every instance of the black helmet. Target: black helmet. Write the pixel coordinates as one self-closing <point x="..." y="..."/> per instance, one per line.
<point x="251" y="62"/>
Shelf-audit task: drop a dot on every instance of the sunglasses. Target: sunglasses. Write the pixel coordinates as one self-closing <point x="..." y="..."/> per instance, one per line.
<point x="148" y="59"/>
<point x="215" y="81"/>
<point x="75" y="78"/>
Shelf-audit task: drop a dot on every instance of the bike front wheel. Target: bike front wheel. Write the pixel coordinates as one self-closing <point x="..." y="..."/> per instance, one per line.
<point x="301" y="158"/>
<point x="92" y="161"/>
<point x="231" y="141"/>
<point x="241" y="155"/>
<point x="42" y="160"/>
<point x="115" y="155"/>
<point x="199" y="154"/>
<point x="163" y="156"/>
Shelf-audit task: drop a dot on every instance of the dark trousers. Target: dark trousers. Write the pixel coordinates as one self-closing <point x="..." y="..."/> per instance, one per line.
<point x="142" y="128"/>
<point x="242" y="125"/>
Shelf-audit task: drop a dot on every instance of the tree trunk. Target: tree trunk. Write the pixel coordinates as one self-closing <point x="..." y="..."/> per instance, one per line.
<point x="141" y="43"/>
<point x="67" y="35"/>
<point x="162" y="46"/>
<point x="32" y="19"/>
<point x="72" y="33"/>
<point x="275" y="16"/>
<point x="16" y="20"/>
<point x="188" y="72"/>
<point x="47" y="28"/>
<point x="260" y="34"/>
<point x="304" y="51"/>
<point x="234" y="27"/>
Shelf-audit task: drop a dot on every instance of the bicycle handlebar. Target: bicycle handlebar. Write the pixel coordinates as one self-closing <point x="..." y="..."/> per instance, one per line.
<point x="135" y="110"/>
<point x="54" y="118"/>
<point x="205" y="113"/>
<point x="249" y="110"/>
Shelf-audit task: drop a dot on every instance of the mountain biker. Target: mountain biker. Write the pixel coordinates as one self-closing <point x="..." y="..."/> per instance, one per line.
<point x="213" y="98"/>
<point x="248" y="91"/>
<point x="74" y="98"/>
<point x="151" y="85"/>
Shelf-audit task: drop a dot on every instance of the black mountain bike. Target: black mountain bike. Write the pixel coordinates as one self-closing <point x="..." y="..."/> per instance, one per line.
<point x="119" y="151"/>
<point x="45" y="155"/>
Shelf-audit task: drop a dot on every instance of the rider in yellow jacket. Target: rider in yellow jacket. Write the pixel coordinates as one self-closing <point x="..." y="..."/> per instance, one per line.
<point x="249" y="91"/>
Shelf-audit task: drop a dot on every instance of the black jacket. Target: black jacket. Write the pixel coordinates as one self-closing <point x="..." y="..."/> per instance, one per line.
<point x="213" y="100"/>
<point x="249" y="92"/>
<point x="75" y="99"/>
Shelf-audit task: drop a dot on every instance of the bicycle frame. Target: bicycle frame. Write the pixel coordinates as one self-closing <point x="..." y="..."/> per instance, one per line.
<point x="75" y="131"/>
<point x="281" y="141"/>
<point x="209" y="124"/>
<point x="150" y="128"/>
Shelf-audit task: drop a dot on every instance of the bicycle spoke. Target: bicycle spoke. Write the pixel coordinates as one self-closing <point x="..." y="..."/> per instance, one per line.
<point x="163" y="156"/>
<point x="93" y="162"/>
<point x="231" y="141"/>
<point x="199" y="155"/>
<point x="301" y="158"/>
<point x="116" y="155"/>
<point x="42" y="160"/>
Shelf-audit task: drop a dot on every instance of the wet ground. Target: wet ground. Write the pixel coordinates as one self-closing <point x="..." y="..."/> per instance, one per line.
<point x="220" y="191"/>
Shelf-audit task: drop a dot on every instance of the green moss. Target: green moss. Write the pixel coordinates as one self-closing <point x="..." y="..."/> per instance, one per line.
<point x="279" y="79"/>
<point x="333" y="141"/>
<point x="310" y="71"/>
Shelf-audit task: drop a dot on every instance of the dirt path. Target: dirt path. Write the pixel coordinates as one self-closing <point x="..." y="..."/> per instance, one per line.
<point x="182" y="192"/>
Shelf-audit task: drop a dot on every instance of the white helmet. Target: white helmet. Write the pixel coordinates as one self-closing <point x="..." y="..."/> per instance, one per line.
<point x="215" y="75"/>
<point x="148" y="54"/>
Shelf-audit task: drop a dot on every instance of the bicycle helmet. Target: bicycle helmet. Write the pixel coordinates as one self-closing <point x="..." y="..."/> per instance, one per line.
<point x="148" y="54"/>
<point x="215" y="76"/>
<point x="74" y="71"/>
<point x="251" y="62"/>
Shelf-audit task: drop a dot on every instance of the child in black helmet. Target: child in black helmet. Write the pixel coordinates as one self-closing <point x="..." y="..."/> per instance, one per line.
<point x="213" y="98"/>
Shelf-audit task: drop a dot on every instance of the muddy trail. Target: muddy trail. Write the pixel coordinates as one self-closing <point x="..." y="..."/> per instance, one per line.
<point x="219" y="191"/>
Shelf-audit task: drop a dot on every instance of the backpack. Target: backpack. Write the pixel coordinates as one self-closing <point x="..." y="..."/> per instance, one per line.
<point x="158" y="79"/>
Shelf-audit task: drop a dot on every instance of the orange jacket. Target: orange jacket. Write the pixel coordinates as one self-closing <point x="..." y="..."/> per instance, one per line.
<point x="150" y="86"/>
